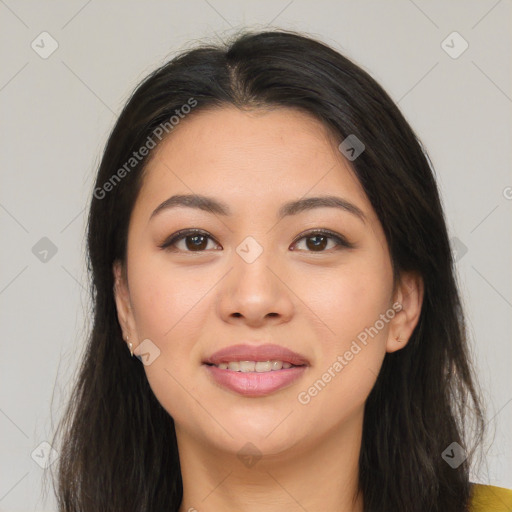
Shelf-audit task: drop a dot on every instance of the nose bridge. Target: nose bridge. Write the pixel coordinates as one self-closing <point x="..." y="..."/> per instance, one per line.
<point x="253" y="288"/>
<point x="251" y="262"/>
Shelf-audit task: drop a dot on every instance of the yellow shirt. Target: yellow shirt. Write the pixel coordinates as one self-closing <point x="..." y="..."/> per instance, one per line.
<point x="488" y="498"/>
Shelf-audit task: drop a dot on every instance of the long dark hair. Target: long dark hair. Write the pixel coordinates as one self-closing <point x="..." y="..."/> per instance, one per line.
<point x="118" y="450"/>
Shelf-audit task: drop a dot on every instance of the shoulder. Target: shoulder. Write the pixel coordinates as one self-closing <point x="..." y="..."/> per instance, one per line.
<point x="488" y="498"/>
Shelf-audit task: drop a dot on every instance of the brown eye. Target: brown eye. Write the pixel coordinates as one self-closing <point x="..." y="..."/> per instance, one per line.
<point x="318" y="242"/>
<point x="321" y="241"/>
<point x="196" y="242"/>
<point x="188" y="241"/>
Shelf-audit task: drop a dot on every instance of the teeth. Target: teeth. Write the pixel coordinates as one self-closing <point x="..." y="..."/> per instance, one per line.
<point x="263" y="366"/>
<point x="254" y="366"/>
<point x="247" y="366"/>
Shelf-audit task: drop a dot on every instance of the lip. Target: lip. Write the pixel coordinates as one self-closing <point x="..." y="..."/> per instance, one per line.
<point x="254" y="384"/>
<point x="268" y="352"/>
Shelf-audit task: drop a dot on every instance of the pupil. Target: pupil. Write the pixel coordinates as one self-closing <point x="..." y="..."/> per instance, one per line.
<point x="317" y="244"/>
<point x="195" y="245"/>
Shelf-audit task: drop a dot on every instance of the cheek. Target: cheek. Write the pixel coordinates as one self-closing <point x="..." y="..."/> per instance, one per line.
<point x="165" y="299"/>
<point x="169" y="308"/>
<point x="354" y="305"/>
<point x="351" y="358"/>
<point x="351" y="299"/>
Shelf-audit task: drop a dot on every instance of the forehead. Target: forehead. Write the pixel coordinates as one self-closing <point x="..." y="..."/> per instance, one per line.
<point x="261" y="155"/>
<point x="269" y="133"/>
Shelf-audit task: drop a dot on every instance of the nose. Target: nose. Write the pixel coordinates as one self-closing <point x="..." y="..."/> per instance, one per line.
<point x="255" y="293"/>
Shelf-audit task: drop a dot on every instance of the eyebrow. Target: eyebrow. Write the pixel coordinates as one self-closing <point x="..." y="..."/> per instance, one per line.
<point x="214" y="206"/>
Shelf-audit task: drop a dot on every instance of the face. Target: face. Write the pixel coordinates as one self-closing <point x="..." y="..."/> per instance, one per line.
<point x="314" y="279"/>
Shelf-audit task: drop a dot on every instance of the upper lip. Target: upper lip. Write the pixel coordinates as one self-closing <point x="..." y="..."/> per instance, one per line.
<point x="266" y="352"/>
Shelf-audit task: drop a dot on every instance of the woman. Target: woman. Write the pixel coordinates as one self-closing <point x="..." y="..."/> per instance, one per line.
<point x="267" y="237"/>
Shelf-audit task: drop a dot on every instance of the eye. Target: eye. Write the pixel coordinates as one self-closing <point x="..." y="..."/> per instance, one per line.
<point x="194" y="240"/>
<point x="321" y="240"/>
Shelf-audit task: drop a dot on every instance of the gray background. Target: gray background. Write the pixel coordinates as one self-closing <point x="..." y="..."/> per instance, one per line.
<point x="56" y="115"/>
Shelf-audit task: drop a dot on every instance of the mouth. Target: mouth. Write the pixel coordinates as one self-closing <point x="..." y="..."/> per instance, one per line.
<point x="263" y="357"/>
<point x="255" y="370"/>
<point x="255" y="366"/>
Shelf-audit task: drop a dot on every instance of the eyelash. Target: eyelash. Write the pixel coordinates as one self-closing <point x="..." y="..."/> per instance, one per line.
<point x="180" y="235"/>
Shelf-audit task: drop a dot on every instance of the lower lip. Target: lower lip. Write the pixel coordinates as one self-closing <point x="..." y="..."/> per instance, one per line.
<point x="255" y="383"/>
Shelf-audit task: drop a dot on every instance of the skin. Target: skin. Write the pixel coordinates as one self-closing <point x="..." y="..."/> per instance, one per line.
<point x="190" y="304"/>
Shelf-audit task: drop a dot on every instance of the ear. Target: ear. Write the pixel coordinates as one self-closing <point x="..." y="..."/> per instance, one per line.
<point x="123" y="304"/>
<point x="408" y="295"/>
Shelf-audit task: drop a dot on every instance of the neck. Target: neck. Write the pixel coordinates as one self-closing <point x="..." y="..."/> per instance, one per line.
<point x="317" y="475"/>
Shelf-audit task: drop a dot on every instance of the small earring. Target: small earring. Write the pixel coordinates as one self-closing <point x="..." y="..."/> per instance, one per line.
<point x="130" y="346"/>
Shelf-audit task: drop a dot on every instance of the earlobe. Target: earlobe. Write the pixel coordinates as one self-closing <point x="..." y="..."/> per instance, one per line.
<point x="122" y="299"/>
<point x="409" y="295"/>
